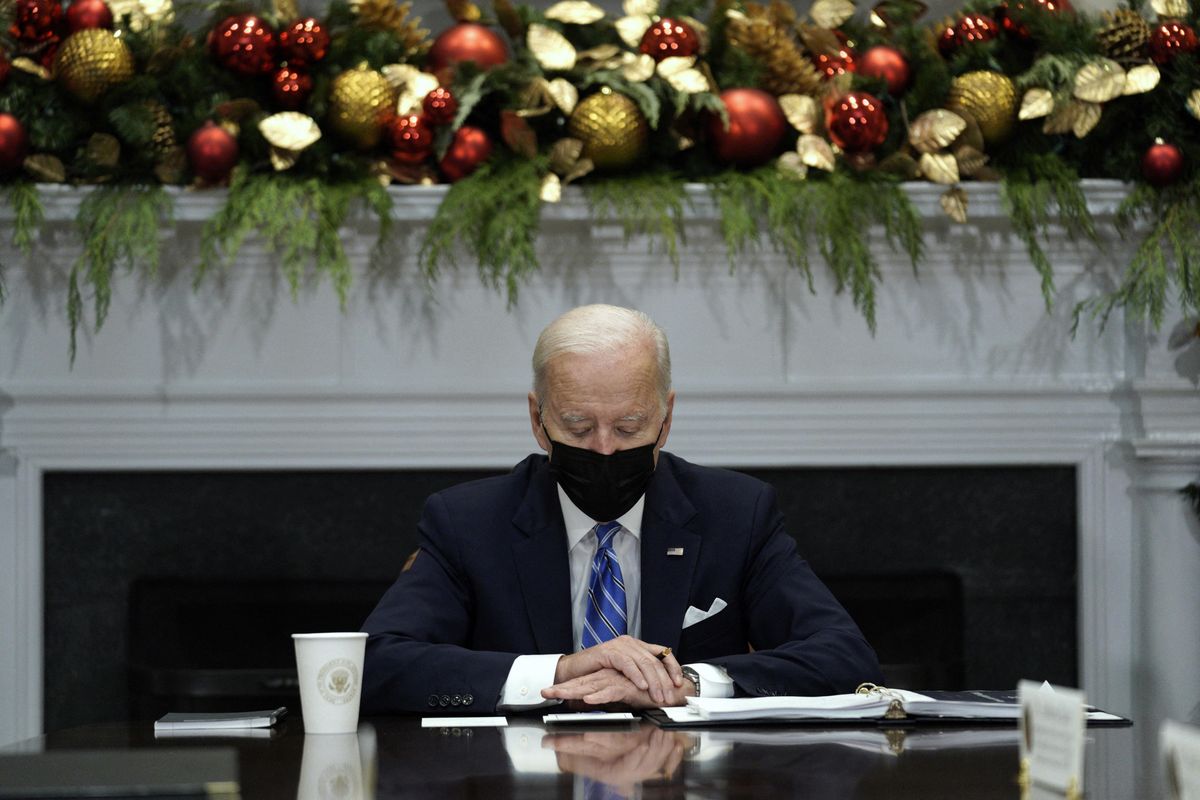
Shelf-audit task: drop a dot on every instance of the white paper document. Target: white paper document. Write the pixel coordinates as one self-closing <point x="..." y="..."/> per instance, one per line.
<point x="464" y="722"/>
<point x="586" y="717"/>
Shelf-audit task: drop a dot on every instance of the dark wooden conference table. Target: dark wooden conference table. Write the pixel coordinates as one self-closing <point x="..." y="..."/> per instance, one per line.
<point x="398" y="758"/>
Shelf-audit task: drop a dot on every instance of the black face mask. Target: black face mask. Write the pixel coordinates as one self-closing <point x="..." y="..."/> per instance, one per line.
<point x="603" y="487"/>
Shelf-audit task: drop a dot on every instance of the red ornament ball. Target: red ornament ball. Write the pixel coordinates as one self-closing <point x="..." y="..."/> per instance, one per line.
<point x="470" y="148"/>
<point x="839" y="63"/>
<point x="36" y="21"/>
<point x="1169" y="39"/>
<point x="888" y="65"/>
<point x="756" y="129"/>
<point x="668" y="37"/>
<point x="1004" y="14"/>
<point x="467" y="41"/>
<point x="303" y="43"/>
<point x="1162" y="164"/>
<point x="440" y="106"/>
<point x="856" y="122"/>
<point x="83" y="14"/>
<point x="970" y="29"/>
<point x="213" y="152"/>
<point x="14" y="143"/>
<point x="244" y="44"/>
<point x="411" y="138"/>
<point x="290" y="88"/>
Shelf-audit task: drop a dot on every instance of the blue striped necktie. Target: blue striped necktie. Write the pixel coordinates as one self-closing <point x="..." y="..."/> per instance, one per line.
<point x="604" y="617"/>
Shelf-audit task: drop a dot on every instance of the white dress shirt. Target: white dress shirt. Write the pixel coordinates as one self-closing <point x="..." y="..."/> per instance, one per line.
<point x="532" y="673"/>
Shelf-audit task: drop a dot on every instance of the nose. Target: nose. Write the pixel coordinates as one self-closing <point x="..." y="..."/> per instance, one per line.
<point x="604" y="442"/>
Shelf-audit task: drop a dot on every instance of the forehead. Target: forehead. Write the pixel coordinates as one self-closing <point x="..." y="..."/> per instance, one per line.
<point x="621" y="382"/>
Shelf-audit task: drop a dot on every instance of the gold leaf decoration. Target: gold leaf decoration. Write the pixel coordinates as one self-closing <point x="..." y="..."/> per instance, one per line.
<point x="815" y="152"/>
<point x="1062" y="120"/>
<point x="551" y="191"/>
<point x="171" y="166"/>
<point x="411" y="85"/>
<point x="290" y="130"/>
<point x="285" y="9"/>
<point x="1193" y="103"/>
<point x="509" y="19"/>
<point x="550" y="48"/>
<point x="601" y="52"/>
<point x="680" y="72"/>
<point x="631" y="29"/>
<point x="575" y="12"/>
<point x="935" y="129"/>
<point x="104" y="150"/>
<point x="801" y="111"/>
<point x="954" y="203"/>
<point x="564" y="154"/>
<point x="1141" y="79"/>
<point x="282" y="159"/>
<point x="582" y="167"/>
<point x="970" y="160"/>
<point x="1099" y="81"/>
<point x="463" y="10"/>
<point x="939" y="168"/>
<point x="1171" y="9"/>
<point x="1036" y="103"/>
<point x="901" y="164"/>
<point x="564" y="94"/>
<point x="1087" y="117"/>
<point x="831" y="13"/>
<point x="46" y="168"/>
<point x="31" y="67"/>
<point x="639" y="68"/>
<point x="792" y="165"/>
<point x="640" y="8"/>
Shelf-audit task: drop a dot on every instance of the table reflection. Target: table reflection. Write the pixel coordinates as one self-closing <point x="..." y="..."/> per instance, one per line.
<point x="397" y="758"/>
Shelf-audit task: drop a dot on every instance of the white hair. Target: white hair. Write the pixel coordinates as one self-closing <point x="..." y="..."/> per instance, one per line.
<point x="600" y="329"/>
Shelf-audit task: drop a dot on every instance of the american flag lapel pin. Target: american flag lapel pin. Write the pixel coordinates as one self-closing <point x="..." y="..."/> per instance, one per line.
<point x="674" y="551"/>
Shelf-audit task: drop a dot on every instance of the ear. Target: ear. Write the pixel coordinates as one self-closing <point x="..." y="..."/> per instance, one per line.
<point x="535" y="423"/>
<point x="666" y="431"/>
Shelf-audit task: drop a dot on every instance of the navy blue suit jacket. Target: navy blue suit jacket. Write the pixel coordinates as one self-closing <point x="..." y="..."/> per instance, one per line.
<point x="491" y="582"/>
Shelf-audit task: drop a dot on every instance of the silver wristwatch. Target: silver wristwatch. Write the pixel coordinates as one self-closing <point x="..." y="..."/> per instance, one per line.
<point x="694" y="677"/>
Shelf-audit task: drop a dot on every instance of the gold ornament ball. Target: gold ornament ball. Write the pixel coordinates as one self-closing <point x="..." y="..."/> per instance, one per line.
<point x="989" y="97"/>
<point x="612" y="128"/>
<point x="359" y="101"/>
<point x="92" y="61"/>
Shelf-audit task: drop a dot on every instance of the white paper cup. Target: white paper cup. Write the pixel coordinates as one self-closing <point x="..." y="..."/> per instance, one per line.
<point x="329" y="667"/>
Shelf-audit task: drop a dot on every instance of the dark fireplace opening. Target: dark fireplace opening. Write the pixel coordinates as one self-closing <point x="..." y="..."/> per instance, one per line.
<point x="177" y="590"/>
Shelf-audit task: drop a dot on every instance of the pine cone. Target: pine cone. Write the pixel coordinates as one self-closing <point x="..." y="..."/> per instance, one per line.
<point x="1124" y="34"/>
<point x="388" y="15"/>
<point x="164" y="129"/>
<point x="788" y="69"/>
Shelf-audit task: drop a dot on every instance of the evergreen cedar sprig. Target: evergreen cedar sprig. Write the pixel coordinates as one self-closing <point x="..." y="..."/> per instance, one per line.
<point x="494" y="214"/>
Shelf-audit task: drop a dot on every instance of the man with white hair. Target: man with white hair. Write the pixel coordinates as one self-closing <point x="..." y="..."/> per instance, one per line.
<point x="607" y="573"/>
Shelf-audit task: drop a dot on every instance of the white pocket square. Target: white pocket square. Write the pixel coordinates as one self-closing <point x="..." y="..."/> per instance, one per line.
<point x="695" y="615"/>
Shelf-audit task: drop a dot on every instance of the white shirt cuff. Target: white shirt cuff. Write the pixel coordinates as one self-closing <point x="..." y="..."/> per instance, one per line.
<point x="526" y="679"/>
<point x="714" y="680"/>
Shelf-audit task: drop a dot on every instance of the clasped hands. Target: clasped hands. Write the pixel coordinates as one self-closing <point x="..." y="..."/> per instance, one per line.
<point x="623" y="672"/>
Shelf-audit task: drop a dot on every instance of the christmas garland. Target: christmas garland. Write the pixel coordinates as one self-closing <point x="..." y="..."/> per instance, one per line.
<point x="803" y="123"/>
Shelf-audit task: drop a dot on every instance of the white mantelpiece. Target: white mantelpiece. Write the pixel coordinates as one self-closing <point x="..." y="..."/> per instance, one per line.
<point x="966" y="368"/>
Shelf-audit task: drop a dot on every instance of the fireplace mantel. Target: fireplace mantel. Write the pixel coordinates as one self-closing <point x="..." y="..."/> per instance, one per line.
<point x="967" y="367"/>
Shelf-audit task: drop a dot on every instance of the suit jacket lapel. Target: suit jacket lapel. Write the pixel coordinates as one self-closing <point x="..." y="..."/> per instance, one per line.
<point x="666" y="579"/>
<point x="542" y="565"/>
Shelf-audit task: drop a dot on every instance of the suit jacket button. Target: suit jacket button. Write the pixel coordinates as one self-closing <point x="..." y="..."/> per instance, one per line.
<point x="444" y="701"/>
<point x="456" y="700"/>
<point x="468" y="699"/>
<point x="433" y="700"/>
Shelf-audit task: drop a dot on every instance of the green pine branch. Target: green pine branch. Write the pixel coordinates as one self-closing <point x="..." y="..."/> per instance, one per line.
<point x="298" y="219"/>
<point x="649" y="204"/>
<point x="494" y="214"/>
<point x="28" y="213"/>
<point x="119" y="226"/>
